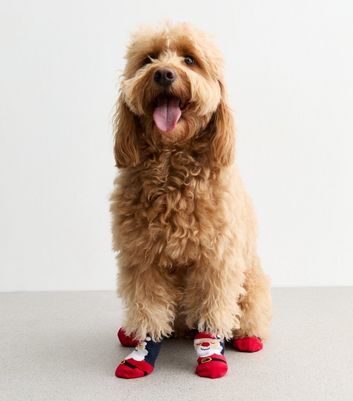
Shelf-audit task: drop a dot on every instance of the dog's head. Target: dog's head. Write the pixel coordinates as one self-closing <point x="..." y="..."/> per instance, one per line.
<point x="172" y="92"/>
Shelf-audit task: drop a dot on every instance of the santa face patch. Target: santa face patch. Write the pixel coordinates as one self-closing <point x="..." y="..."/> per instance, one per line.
<point x="206" y="344"/>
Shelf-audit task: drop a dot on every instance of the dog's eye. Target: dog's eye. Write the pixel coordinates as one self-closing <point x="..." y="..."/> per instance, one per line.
<point x="148" y="59"/>
<point x="189" y="60"/>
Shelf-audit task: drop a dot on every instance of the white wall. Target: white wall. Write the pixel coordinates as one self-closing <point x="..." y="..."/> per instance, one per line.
<point x="289" y="73"/>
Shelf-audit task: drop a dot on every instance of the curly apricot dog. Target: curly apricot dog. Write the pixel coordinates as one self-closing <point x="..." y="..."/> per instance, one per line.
<point x="183" y="225"/>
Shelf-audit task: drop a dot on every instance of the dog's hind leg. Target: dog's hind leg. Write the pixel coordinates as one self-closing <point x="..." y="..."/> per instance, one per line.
<point x="256" y="313"/>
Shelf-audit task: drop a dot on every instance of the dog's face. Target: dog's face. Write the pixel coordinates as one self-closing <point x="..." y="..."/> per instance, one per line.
<point x="171" y="90"/>
<point x="172" y="81"/>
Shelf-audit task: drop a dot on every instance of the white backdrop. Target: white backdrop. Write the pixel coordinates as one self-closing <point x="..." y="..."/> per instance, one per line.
<point x="289" y="72"/>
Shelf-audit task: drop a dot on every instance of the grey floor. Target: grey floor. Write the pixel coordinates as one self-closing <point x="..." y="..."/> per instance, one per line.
<point x="62" y="346"/>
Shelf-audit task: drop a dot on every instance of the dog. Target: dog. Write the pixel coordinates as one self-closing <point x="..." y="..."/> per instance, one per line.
<point x="182" y="224"/>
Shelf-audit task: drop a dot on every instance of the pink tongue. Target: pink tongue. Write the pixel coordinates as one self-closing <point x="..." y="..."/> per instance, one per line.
<point x="166" y="115"/>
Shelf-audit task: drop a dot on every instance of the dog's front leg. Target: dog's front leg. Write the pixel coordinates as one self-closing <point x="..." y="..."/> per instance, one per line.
<point x="212" y="290"/>
<point x="150" y="300"/>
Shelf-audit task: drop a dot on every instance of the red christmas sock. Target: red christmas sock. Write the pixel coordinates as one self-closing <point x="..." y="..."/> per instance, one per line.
<point x="211" y="361"/>
<point x="139" y="362"/>
<point x="126" y="341"/>
<point x="248" y="344"/>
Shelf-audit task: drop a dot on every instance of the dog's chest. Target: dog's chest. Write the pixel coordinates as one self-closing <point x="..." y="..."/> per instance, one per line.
<point x="172" y="199"/>
<point x="169" y="193"/>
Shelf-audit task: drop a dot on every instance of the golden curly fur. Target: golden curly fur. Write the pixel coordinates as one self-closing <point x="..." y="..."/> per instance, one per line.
<point x="183" y="226"/>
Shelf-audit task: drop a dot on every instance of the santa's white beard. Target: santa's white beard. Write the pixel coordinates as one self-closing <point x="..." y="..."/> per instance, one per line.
<point x="138" y="354"/>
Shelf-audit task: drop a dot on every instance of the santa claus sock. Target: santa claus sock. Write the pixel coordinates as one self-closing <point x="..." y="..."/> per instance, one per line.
<point x="211" y="361"/>
<point x="139" y="362"/>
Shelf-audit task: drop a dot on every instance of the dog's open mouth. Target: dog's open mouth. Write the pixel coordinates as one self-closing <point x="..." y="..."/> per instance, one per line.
<point x="167" y="112"/>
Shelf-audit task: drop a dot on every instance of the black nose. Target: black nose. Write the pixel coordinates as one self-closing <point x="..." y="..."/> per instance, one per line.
<point x="164" y="77"/>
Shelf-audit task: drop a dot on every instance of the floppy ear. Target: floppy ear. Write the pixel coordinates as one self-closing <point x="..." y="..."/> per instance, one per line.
<point x="223" y="135"/>
<point x="126" y="147"/>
